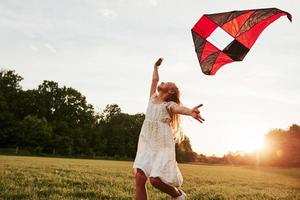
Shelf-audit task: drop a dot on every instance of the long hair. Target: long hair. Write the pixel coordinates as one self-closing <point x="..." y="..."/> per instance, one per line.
<point x="174" y="95"/>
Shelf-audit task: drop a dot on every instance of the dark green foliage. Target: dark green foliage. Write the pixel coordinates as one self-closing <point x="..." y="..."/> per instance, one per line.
<point x="35" y="133"/>
<point x="184" y="151"/>
<point x="59" y="121"/>
<point x="10" y="90"/>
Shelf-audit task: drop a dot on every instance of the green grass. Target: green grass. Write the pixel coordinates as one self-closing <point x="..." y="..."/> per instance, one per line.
<point x="59" y="178"/>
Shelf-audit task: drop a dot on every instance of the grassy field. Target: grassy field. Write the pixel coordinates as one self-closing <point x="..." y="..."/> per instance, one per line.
<point x="57" y="178"/>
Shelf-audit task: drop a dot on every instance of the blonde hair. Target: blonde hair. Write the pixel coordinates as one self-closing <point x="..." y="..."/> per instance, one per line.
<point x="174" y="95"/>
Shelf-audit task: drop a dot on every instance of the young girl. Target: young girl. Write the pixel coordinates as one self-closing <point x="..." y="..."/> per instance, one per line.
<point x="155" y="158"/>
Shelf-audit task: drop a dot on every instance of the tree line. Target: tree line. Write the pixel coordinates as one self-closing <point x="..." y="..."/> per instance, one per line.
<point x="58" y="121"/>
<point x="282" y="148"/>
<point x="55" y="120"/>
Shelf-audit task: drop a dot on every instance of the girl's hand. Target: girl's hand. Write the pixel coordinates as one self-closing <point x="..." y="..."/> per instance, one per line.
<point x="158" y="62"/>
<point x="196" y="113"/>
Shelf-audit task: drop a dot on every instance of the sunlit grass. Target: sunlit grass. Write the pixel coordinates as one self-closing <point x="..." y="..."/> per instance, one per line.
<point x="56" y="178"/>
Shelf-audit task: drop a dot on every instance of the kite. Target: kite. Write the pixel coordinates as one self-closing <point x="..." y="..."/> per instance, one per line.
<point x="238" y="29"/>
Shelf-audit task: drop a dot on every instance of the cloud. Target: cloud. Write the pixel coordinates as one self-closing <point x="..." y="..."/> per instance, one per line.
<point x="50" y="47"/>
<point x="153" y="2"/>
<point x="34" y="48"/>
<point x="108" y="13"/>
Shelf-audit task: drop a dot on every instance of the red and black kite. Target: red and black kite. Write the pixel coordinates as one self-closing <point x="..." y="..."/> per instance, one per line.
<point x="243" y="28"/>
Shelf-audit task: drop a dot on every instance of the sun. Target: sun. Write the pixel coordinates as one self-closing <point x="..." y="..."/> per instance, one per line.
<point x="252" y="143"/>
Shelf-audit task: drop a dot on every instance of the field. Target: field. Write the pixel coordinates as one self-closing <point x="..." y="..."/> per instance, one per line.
<point x="57" y="178"/>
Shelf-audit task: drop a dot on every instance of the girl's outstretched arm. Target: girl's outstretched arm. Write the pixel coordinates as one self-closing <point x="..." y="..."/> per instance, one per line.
<point x="155" y="76"/>
<point x="193" y="112"/>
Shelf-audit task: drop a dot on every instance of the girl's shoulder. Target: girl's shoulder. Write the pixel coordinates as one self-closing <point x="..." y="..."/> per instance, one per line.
<point x="170" y="104"/>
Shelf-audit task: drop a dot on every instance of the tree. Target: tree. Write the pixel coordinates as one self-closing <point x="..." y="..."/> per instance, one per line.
<point x="184" y="151"/>
<point x="283" y="147"/>
<point x="120" y="132"/>
<point x="133" y="128"/>
<point x="36" y="133"/>
<point x="9" y="104"/>
<point x="110" y="111"/>
<point x="72" y="118"/>
<point x="62" y="139"/>
<point x="10" y="87"/>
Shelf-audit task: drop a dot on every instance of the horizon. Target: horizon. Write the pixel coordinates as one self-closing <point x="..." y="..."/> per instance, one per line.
<point x="103" y="50"/>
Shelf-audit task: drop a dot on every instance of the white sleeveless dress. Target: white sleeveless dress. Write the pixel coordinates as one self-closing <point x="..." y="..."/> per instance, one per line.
<point x="156" y="147"/>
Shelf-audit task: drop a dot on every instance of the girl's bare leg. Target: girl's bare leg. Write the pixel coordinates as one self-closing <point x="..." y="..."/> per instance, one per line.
<point x="140" y="182"/>
<point x="169" y="189"/>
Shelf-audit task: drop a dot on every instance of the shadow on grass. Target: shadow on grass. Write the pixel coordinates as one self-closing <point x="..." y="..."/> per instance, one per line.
<point x="17" y="196"/>
<point x="85" y="195"/>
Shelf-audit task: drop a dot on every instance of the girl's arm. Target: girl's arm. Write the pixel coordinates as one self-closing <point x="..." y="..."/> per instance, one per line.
<point x="155" y="76"/>
<point x="194" y="112"/>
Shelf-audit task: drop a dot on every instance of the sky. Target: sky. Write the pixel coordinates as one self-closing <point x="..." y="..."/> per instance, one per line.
<point x="106" y="49"/>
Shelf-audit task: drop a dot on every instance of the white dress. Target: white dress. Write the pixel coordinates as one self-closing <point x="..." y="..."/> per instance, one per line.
<point x="156" y="147"/>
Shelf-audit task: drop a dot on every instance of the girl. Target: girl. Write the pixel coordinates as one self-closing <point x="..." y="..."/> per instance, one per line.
<point x="155" y="157"/>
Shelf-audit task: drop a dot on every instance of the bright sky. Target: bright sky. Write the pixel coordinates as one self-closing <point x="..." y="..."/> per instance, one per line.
<point x="106" y="50"/>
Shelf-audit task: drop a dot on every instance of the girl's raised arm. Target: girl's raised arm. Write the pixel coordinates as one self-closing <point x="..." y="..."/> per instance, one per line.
<point x="155" y="76"/>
